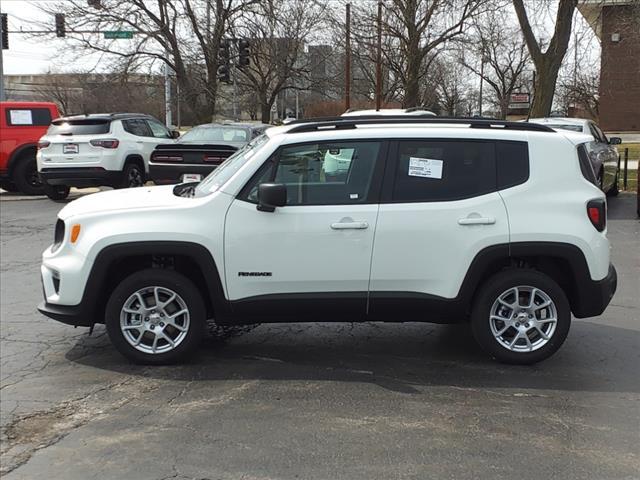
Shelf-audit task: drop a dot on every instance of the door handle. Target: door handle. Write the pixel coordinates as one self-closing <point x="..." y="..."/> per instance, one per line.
<point x="349" y="225"/>
<point x="476" y="221"/>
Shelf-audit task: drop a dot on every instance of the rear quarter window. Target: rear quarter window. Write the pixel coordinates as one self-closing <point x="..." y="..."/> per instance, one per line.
<point x="79" y="127"/>
<point x="28" y="117"/>
<point x="512" y="160"/>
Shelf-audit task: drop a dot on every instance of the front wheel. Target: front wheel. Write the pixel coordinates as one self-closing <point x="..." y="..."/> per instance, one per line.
<point x="520" y="316"/>
<point x="56" y="192"/>
<point x="155" y="316"/>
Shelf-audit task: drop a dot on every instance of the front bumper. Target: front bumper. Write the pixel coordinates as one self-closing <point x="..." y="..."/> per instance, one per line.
<point x="71" y="315"/>
<point x="166" y="174"/>
<point x="81" y="176"/>
<point x="594" y="296"/>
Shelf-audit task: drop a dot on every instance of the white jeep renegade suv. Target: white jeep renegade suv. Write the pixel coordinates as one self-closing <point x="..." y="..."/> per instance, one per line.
<point x="433" y="220"/>
<point x="109" y="149"/>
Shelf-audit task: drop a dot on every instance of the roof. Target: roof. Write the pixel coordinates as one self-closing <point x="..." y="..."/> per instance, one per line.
<point x="591" y="10"/>
<point x="414" y="111"/>
<point x="19" y="104"/>
<point x="105" y="116"/>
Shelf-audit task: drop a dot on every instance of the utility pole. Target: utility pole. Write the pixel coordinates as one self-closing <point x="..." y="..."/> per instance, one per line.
<point x="2" y="95"/>
<point x="347" y="62"/>
<point x="379" y="60"/>
<point x="481" y="79"/>
<point x="167" y="96"/>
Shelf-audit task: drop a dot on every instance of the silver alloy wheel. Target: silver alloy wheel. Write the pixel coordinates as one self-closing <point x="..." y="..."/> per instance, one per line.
<point x="154" y="320"/>
<point x="523" y="319"/>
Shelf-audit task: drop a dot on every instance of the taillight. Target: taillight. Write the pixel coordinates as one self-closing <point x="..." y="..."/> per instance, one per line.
<point x="597" y="213"/>
<point x="107" y="143"/>
<point x="43" y="144"/>
<point x="213" y="158"/>
<point x="166" y="158"/>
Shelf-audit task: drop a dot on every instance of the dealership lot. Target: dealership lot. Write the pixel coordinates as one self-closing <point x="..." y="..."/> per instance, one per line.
<point x="315" y="400"/>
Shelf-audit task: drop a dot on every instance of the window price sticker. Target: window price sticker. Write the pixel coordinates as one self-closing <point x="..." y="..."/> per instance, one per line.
<point x="425" y="167"/>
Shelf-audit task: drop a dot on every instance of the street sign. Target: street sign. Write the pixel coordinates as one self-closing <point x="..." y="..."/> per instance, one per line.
<point x="118" y="34"/>
<point x="519" y="98"/>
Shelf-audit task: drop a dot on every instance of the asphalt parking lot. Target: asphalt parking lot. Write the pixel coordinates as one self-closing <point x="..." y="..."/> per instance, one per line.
<point x="314" y="401"/>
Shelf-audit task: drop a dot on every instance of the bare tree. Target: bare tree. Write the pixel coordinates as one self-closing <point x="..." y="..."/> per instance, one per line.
<point x="184" y="34"/>
<point x="418" y="29"/>
<point x="504" y="54"/>
<point x="547" y="63"/>
<point x="278" y="31"/>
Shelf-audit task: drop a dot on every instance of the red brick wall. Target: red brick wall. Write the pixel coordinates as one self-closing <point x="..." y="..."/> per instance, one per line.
<point x="620" y="70"/>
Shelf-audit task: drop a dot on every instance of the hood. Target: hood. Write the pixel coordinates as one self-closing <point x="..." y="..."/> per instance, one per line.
<point x="126" y="199"/>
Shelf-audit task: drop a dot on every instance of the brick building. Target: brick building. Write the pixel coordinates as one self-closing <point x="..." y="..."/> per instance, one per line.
<point x="617" y="24"/>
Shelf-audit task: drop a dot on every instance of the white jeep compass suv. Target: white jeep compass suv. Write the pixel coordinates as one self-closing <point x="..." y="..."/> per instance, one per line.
<point x="110" y="149"/>
<point x="438" y="220"/>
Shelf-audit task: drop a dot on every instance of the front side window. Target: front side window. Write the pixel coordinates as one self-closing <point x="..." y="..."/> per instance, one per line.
<point x="335" y="173"/>
<point x="432" y="171"/>
<point x="158" y="130"/>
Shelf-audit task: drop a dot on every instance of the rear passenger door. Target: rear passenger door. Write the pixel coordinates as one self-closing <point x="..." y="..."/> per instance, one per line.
<point x="440" y="207"/>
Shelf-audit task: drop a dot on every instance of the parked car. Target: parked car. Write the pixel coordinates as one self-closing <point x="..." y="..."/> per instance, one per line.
<point x="413" y="111"/>
<point x="22" y="124"/>
<point x="432" y="220"/>
<point x="601" y="150"/>
<point x="110" y="149"/>
<point x="200" y="150"/>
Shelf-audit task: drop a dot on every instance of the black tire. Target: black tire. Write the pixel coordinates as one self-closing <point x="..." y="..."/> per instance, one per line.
<point x="132" y="176"/>
<point x="56" y="192"/>
<point x="8" y="186"/>
<point x="167" y="279"/>
<point x="25" y="176"/>
<point x="613" y="191"/>
<point x="489" y="293"/>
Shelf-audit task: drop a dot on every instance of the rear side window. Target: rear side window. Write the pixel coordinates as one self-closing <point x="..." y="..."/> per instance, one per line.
<point x="32" y="117"/>
<point x="512" y="163"/>
<point x="137" y="127"/>
<point x="585" y="164"/>
<point x="432" y="171"/>
<point x="87" y="126"/>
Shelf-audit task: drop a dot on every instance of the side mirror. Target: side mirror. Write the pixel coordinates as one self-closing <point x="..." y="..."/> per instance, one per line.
<point x="175" y="133"/>
<point x="270" y="196"/>
<point x="615" y="141"/>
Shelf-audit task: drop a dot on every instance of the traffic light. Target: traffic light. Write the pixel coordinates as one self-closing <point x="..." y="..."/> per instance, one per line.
<point x="243" y="53"/>
<point x="60" y="27"/>
<point x="5" y="32"/>
<point x="223" y="74"/>
<point x="224" y="54"/>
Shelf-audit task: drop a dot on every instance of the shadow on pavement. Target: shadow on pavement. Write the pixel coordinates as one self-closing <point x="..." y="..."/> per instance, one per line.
<point x="399" y="357"/>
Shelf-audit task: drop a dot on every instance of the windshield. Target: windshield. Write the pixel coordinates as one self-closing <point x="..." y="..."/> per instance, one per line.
<point x="231" y="165"/>
<point x="573" y="128"/>
<point x="207" y="134"/>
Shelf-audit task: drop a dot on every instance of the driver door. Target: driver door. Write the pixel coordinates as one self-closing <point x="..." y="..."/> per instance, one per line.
<point x="311" y="257"/>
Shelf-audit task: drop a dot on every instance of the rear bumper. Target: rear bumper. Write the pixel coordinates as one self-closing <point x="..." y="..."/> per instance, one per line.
<point x="594" y="296"/>
<point x="80" y="176"/>
<point x="166" y="174"/>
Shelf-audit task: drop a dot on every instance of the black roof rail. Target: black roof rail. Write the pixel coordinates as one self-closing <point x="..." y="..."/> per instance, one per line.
<point x="322" y="123"/>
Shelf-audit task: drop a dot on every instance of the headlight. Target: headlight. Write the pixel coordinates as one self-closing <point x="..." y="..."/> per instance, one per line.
<point x="58" y="235"/>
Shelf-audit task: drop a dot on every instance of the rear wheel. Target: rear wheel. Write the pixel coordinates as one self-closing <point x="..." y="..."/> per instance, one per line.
<point x="155" y="316"/>
<point x="25" y="175"/>
<point x="520" y="316"/>
<point x="56" y="192"/>
<point x="132" y="176"/>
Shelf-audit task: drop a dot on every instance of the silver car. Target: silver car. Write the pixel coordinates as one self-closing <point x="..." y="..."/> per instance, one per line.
<point x="602" y="152"/>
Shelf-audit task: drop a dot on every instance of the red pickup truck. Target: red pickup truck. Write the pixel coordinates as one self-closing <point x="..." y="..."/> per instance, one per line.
<point x="21" y="126"/>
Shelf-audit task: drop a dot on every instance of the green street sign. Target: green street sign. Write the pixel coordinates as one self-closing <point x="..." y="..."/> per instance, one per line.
<point x="117" y="34"/>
